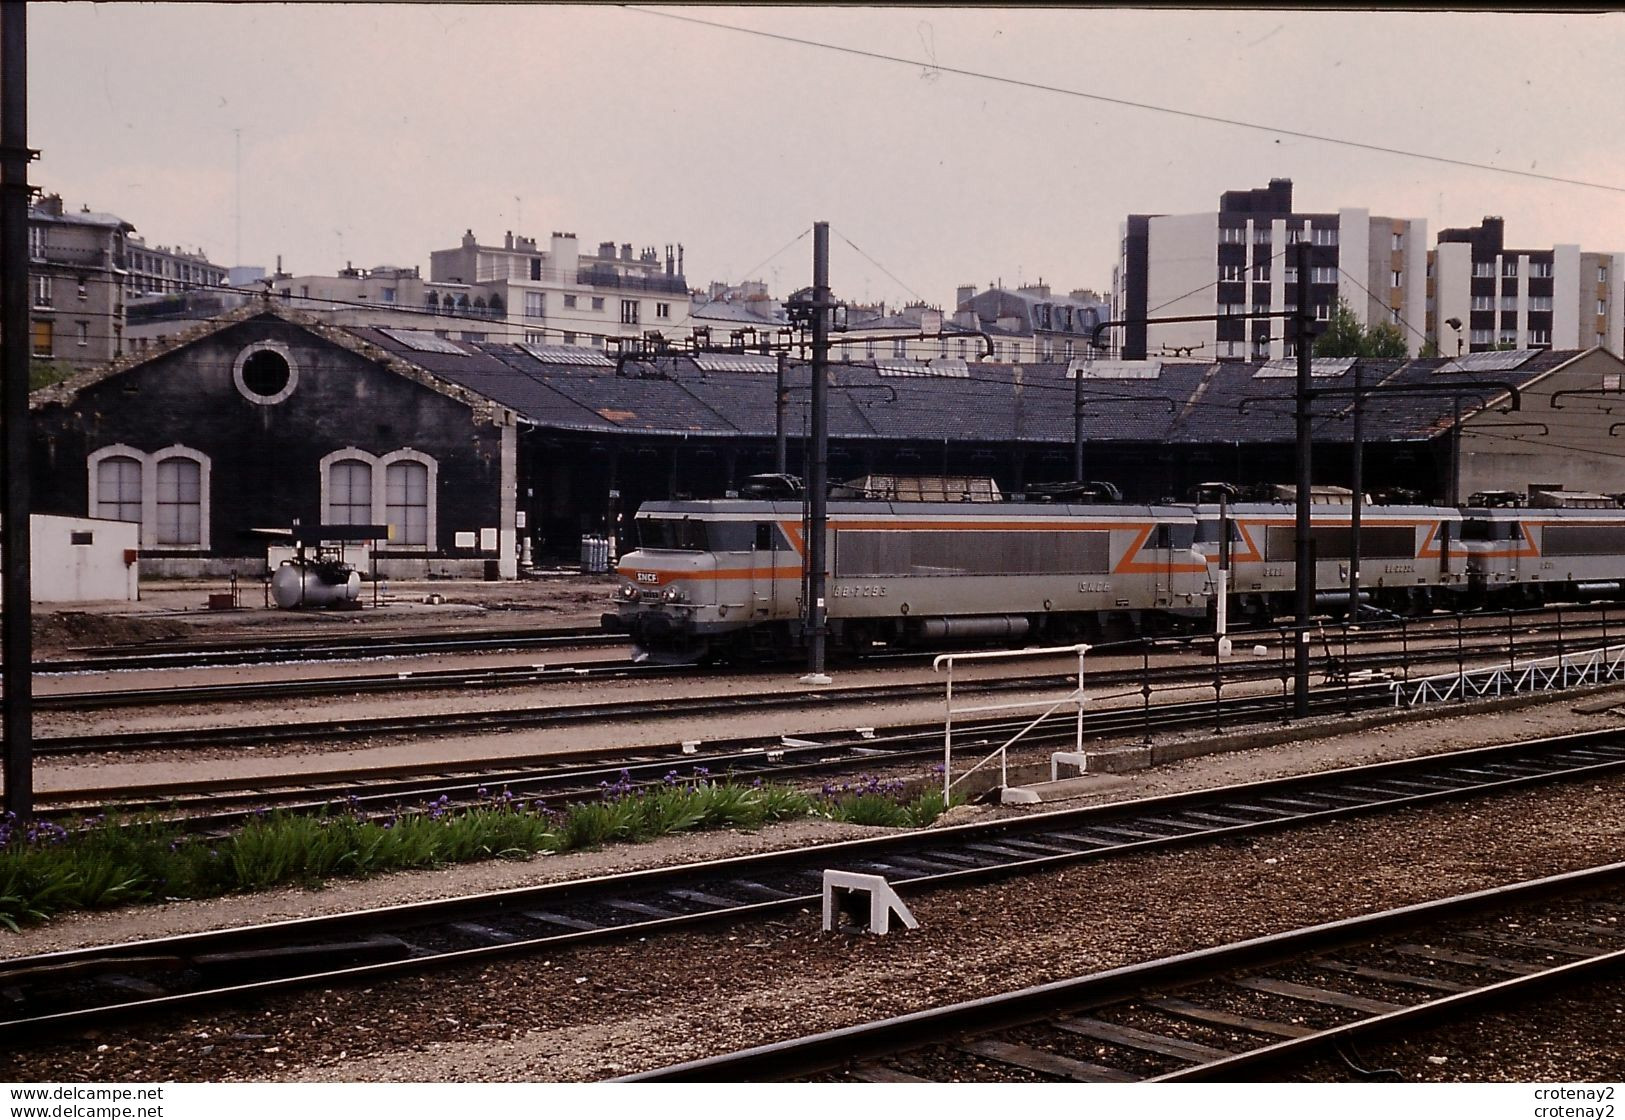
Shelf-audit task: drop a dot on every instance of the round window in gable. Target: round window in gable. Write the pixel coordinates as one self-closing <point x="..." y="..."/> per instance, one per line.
<point x="265" y="373"/>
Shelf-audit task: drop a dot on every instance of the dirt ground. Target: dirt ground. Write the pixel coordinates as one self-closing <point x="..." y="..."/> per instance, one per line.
<point x="178" y="610"/>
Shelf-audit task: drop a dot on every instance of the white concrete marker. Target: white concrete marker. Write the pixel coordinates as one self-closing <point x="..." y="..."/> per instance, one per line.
<point x="883" y="901"/>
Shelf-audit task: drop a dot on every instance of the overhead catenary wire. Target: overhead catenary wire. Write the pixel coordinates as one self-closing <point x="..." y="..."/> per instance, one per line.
<point x="1188" y="114"/>
<point x="880" y="266"/>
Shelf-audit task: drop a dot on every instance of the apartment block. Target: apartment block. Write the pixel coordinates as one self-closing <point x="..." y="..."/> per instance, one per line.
<point x="390" y="296"/>
<point x="1485" y="296"/>
<point x="1236" y="260"/>
<point x="159" y="270"/>
<point x="76" y="268"/>
<point x="561" y="295"/>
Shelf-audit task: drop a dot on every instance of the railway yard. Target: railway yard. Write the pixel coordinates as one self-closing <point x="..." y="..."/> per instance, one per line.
<point x="1149" y="900"/>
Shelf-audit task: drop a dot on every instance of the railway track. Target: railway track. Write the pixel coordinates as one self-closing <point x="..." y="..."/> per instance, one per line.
<point x="196" y="655"/>
<point x="1234" y="1011"/>
<point x="221" y="803"/>
<point x="1146" y="679"/>
<point x="1345" y="652"/>
<point x="148" y="977"/>
<point x="404" y="680"/>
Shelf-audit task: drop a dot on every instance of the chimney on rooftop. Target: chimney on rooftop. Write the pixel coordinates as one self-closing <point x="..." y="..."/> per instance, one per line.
<point x="626" y="251"/>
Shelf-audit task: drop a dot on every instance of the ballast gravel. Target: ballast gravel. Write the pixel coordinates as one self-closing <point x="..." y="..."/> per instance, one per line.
<point x="599" y="1011"/>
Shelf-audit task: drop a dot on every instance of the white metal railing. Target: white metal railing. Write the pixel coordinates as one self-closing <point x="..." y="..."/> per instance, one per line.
<point x="1546" y="674"/>
<point x="1003" y="750"/>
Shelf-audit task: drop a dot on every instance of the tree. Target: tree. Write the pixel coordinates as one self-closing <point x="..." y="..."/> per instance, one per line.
<point x="47" y="371"/>
<point x="1344" y="337"/>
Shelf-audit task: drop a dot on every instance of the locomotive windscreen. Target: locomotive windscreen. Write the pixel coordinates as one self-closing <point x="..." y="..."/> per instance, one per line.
<point x="1332" y="542"/>
<point x="985" y="552"/>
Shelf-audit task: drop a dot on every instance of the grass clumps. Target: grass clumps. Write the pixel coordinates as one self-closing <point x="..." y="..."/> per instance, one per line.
<point x="47" y="870"/>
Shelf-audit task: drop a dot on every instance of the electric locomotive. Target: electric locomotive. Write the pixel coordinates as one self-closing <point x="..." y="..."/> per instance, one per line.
<point x="724" y="578"/>
<point x="1565" y="545"/>
<point x="1411" y="556"/>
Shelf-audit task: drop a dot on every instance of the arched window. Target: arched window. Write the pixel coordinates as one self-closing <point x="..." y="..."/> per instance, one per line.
<point x="180" y="503"/>
<point x="406" y="501"/>
<point x="349" y="493"/>
<point x="118" y="489"/>
<point x="431" y="300"/>
<point x="397" y="489"/>
<point x="166" y="492"/>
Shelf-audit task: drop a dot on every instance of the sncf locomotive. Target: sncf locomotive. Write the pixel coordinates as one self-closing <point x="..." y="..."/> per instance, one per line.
<point x="724" y="578"/>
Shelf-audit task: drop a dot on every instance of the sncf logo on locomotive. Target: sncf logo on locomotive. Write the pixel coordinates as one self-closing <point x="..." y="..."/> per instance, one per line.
<point x="648" y="577"/>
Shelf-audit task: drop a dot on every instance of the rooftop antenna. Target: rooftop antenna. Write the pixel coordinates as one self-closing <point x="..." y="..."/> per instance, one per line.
<point x="519" y="218"/>
<point x="237" y="156"/>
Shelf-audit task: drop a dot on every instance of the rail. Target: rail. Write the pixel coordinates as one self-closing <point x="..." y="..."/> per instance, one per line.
<point x="1003" y="751"/>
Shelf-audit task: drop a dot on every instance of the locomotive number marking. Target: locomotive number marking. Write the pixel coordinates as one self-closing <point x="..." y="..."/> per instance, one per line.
<point x="648" y="577"/>
<point x="1399" y="567"/>
<point x="1094" y="585"/>
<point x="1270" y="573"/>
<point x="860" y="591"/>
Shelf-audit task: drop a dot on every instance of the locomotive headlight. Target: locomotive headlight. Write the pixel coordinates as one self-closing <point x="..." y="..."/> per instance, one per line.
<point x="676" y="595"/>
<point x="629" y="591"/>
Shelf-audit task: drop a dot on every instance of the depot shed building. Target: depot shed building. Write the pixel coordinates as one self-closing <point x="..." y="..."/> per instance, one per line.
<point x="482" y="455"/>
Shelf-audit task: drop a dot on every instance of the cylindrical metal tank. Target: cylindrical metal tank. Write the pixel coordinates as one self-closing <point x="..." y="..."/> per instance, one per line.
<point x="314" y="584"/>
<point x="1009" y="627"/>
<point x="594" y="554"/>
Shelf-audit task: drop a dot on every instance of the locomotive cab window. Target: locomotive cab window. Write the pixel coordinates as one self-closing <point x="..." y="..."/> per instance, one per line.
<point x="671" y="534"/>
<point x="728" y="536"/>
<point x="770" y="538"/>
<point x="1173" y="535"/>
<point x="1207" y="532"/>
<point x="1490" y="531"/>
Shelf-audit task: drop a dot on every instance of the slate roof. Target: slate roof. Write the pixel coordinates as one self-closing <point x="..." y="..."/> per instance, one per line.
<point x="1185" y="403"/>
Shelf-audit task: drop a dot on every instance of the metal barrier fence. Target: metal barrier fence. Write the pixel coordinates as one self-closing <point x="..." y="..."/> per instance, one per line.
<point x="1546" y="674"/>
<point x="1505" y="646"/>
<point x="1002" y="752"/>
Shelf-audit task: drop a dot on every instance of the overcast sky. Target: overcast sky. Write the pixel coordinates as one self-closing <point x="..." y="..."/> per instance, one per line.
<point x="376" y="133"/>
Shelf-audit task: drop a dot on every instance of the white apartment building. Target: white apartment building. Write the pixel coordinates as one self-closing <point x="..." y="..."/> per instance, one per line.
<point x="560" y="295"/>
<point x="1485" y="296"/>
<point x="1237" y="260"/>
<point x="385" y="296"/>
